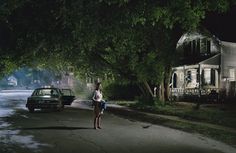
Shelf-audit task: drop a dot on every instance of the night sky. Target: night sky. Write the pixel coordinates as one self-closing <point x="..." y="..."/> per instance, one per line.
<point x="223" y="25"/>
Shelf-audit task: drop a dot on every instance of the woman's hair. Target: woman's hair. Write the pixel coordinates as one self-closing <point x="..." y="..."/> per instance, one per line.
<point x="97" y="85"/>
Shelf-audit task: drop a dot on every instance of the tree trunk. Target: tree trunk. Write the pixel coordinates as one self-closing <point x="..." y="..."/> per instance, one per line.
<point x="167" y="83"/>
<point x="162" y="91"/>
<point x="148" y="88"/>
<point x="147" y="93"/>
<point x="141" y="89"/>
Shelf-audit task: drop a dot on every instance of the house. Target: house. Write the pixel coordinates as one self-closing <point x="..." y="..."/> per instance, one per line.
<point x="12" y="81"/>
<point x="207" y="68"/>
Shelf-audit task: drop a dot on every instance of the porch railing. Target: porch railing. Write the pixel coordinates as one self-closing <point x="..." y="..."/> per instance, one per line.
<point x="193" y="91"/>
<point x="192" y="94"/>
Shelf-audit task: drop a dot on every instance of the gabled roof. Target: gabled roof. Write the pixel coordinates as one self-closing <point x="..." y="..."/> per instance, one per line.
<point x="187" y="37"/>
<point x="214" y="60"/>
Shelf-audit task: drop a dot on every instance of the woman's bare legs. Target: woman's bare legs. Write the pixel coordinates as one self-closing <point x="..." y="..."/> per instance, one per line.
<point x="95" y="122"/>
<point x="99" y="121"/>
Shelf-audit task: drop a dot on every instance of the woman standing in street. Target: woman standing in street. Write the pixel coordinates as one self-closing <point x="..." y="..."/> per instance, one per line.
<point x="97" y="100"/>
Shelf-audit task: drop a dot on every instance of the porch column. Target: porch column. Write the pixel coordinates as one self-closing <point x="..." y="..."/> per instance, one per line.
<point x="217" y="81"/>
<point x="184" y="79"/>
<point x="172" y="84"/>
<point x="200" y="80"/>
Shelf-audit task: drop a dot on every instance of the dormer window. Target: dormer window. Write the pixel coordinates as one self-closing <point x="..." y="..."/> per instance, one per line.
<point x="205" y="46"/>
<point x="197" y="47"/>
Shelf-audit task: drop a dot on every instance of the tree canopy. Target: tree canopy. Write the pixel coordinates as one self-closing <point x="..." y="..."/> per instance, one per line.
<point x="135" y="40"/>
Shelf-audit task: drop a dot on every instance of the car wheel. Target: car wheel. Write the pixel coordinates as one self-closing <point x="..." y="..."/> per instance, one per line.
<point x="31" y="109"/>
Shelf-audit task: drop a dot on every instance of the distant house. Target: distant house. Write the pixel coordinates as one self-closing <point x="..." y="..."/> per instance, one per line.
<point x="207" y="68"/>
<point x="12" y="81"/>
<point x="91" y="80"/>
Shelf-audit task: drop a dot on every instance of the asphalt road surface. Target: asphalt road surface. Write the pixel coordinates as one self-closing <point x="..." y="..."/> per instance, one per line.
<point x="71" y="131"/>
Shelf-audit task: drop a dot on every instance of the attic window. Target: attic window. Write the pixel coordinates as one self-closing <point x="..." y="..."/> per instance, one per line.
<point x="187" y="48"/>
<point x="195" y="47"/>
<point x="205" y="46"/>
<point x="208" y="46"/>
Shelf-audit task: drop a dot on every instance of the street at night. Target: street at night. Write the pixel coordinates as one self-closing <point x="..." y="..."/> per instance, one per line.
<point x="117" y="76"/>
<point x="71" y="130"/>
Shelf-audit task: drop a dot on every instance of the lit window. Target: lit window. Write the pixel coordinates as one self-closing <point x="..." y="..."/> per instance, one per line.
<point x="207" y="76"/>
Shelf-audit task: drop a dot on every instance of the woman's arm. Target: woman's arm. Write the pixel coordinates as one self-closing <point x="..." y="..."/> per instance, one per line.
<point x="96" y="96"/>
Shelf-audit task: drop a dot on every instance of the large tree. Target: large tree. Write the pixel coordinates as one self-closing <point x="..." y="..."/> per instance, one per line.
<point x="135" y="40"/>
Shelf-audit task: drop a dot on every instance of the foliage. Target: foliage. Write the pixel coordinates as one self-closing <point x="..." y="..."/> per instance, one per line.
<point x="132" y="40"/>
<point x="6" y="66"/>
<point x="117" y="91"/>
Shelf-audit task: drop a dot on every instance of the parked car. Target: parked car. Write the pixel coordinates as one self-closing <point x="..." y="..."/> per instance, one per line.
<point x="52" y="98"/>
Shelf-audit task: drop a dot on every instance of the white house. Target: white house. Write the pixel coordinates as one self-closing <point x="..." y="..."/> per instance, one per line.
<point x="12" y="81"/>
<point x="207" y="67"/>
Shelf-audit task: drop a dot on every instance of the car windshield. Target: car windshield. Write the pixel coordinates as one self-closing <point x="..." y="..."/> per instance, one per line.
<point x="45" y="92"/>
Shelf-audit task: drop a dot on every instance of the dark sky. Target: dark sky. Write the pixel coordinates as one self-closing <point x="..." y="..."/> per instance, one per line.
<point x="223" y="25"/>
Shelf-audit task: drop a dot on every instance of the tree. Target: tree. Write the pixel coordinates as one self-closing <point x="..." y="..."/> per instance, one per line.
<point x="32" y="29"/>
<point x="133" y="40"/>
<point x="136" y="40"/>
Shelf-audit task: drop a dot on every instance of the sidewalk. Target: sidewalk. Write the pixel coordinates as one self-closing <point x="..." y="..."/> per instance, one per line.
<point x="211" y="130"/>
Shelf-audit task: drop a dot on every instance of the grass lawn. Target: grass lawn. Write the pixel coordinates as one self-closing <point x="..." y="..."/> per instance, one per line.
<point x="224" y="115"/>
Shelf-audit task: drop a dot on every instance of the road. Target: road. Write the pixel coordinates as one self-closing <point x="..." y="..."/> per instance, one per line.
<point x="70" y="131"/>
